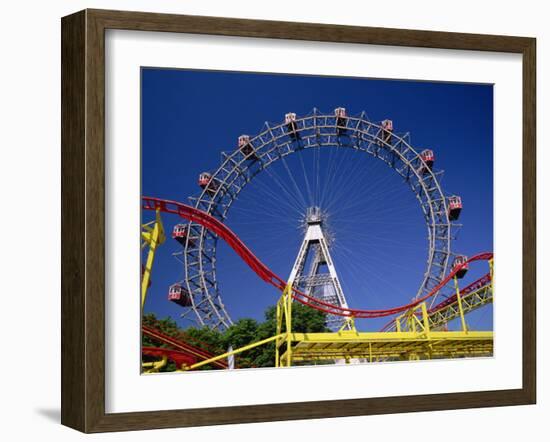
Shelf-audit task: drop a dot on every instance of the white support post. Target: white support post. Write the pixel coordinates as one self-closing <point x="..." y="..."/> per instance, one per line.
<point x="324" y="285"/>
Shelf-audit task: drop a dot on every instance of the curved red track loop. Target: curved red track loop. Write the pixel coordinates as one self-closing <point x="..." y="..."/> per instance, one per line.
<point x="178" y="357"/>
<point x="224" y="232"/>
<point x="190" y="350"/>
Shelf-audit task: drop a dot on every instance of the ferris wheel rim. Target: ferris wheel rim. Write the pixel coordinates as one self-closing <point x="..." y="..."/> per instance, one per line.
<point x="210" y="309"/>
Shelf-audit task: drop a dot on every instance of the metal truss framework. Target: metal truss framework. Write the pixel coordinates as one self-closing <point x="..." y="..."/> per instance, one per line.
<point x="378" y="347"/>
<point x="419" y="341"/>
<point x="321" y="131"/>
<point x="439" y="317"/>
<point x="313" y="281"/>
<point x="474" y="296"/>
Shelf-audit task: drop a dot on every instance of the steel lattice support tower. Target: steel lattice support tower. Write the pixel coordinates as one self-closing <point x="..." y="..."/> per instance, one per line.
<point x="314" y="272"/>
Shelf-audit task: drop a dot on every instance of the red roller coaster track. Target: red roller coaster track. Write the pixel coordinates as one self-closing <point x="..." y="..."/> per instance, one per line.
<point x="477" y="284"/>
<point x="192" y="353"/>
<point x="178" y="357"/>
<point x="220" y="229"/>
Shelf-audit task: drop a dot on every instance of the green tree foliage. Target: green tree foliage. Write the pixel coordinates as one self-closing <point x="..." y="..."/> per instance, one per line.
<point x="205" y="338"/>
<point x="241" y="333"/>
<point x="167" y="326"/>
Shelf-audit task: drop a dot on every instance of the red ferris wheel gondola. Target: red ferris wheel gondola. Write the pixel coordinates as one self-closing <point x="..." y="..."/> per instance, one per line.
<point x="179" y="233"/>
<point x="460" y="260"/>
<point x="206" y="182"/>
<point x="341" y="120"/>
<point x="179" y="295"/>
<point x="246" y="148"/>
<point x="427" y="156"/>
<point x="291" y="125"/>
<point x="455" y="207"/>
<point x="387" y="130"/>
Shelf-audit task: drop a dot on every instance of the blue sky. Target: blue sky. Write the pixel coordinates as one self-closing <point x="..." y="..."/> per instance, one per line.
<point x="190" y="117"/>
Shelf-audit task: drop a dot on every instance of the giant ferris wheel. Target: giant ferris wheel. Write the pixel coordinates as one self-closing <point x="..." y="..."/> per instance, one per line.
<point x="253" y="155"/>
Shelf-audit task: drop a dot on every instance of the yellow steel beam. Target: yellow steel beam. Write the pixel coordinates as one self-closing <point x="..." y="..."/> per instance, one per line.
<point x="288" y="315"/>
<point x="460" y="309"/>
<point x="155" y="366"/>
<point x="232" y="352"/>
<point x="349" y="324"/>
<point x="470" y="302"/>
<point x="396" y="345"/>
<point x="284" y="315"/>
<point x="278" y="329"/>
<point x="418" y="341"/>
<point x="436" y="318"/>
<point x="348" y="336"/>
<point x="153" y="235"/>
<point x="398" y="354"/>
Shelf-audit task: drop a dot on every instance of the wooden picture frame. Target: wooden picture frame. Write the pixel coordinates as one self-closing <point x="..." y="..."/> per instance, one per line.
<point x="83" y="210"/>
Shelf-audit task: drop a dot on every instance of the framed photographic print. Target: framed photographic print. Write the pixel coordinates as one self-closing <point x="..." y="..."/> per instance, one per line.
<point x="268" y="221"/>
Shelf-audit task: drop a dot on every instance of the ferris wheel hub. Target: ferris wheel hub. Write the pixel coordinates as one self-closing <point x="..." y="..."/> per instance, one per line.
<point x="314" y="215"/>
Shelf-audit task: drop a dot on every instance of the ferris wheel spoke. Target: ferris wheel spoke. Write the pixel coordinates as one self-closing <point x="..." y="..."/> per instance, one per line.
<point x="292" y="200"/>
<point x="334" y="175"/>
<point x="340" y="181"/>
<point x="306" y="181"/>
<point x="291" y="177"/>
<point x="367" y="273"/>
<point x="373" y="273"/>
<point x="351" y="189"/>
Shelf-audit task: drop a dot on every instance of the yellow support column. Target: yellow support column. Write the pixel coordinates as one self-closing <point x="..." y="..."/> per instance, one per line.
<point x="411" y="321"/>
<point x="278" y="332"/>
<point x="152" y="236"/>
<point x="426" y="322"/>
<point x="232" y="352"/>
<point x="288" y="303"/>
<point x="425" y="319"/>
<point x="284" y="314"/>
<point x="460" y="309"/>
<point x="398" y="324"/>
